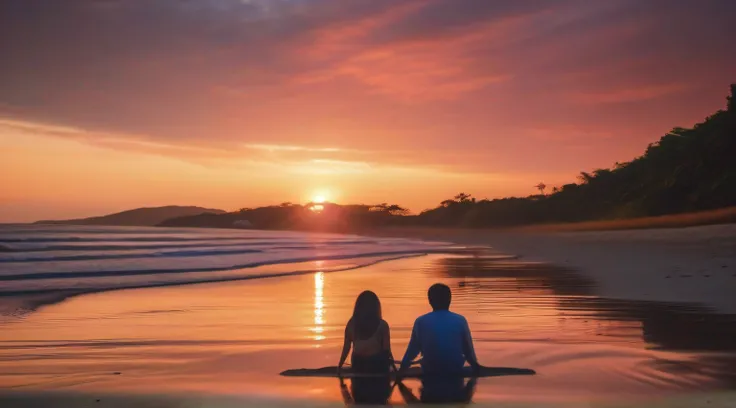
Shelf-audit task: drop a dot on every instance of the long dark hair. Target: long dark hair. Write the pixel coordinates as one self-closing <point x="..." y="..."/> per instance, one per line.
<point x="366" y="314"/>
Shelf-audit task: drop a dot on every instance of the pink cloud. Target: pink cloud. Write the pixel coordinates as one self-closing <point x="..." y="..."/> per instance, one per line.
<point x="568" y="133"/>
<point x="629" y="94"/>
<point x="435" y="67"/>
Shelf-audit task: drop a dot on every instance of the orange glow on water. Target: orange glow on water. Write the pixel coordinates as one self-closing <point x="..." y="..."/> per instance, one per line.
<point x="235" y="337"/>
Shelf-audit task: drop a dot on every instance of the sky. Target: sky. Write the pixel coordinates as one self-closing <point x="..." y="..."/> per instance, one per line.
<point x="108" y="105"/>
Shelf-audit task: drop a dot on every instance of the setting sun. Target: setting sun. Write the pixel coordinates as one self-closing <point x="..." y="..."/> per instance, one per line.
<point x="319" y="199"/>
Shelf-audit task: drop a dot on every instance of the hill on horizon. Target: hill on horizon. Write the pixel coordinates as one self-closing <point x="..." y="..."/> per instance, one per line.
<point x="139" y="217"/>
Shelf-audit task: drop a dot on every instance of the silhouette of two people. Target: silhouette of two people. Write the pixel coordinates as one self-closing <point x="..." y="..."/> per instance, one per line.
<point x="442" y="338"/>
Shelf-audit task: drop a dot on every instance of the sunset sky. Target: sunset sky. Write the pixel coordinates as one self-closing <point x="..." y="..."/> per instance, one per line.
<point x="108" y="105"/>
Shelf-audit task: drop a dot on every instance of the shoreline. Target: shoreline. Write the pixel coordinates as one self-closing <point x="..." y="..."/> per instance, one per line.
<point x="14" y="304"/>
<point x="692" y="264"/>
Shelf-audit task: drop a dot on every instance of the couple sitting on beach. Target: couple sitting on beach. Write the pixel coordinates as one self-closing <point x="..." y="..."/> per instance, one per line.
<point x="442" y="337"/>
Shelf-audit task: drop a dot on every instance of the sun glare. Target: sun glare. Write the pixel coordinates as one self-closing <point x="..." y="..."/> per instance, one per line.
<point x="319" y="199"/>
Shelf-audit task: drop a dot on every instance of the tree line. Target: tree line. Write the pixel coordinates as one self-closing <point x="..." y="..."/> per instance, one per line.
<point x="686" y="170"/>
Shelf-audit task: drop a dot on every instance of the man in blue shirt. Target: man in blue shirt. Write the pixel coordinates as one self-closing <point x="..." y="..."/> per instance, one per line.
<point x="443" y="338"/>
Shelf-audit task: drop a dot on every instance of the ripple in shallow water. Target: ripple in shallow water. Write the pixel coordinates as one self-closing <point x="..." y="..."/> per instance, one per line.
<point x="236" y="336"/>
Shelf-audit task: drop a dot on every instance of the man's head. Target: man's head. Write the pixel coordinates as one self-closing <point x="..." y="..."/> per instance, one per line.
<point x="439" y="296"/>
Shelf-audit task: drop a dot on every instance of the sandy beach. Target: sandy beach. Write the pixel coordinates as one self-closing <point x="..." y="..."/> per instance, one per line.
<point x="694" y="264"/>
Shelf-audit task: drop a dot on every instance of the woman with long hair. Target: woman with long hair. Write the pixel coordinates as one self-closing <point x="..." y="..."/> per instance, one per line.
<point x="368" y="335"/>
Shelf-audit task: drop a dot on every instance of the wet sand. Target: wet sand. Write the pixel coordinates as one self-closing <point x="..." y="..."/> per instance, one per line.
<point x="223" y="344"/>
<point x="72" y="400"/>
<point x="694" y="264"/>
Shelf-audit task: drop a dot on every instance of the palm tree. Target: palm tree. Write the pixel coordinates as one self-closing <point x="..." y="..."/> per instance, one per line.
<point x="379" y="207"/>
<point x="585" y="177"/>
<point x="463" y="198"/>
<point x="541" y="187"/>
<point x="395" y="209"/>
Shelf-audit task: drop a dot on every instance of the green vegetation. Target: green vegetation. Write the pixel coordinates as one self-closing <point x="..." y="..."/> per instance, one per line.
<point x="687" y="170"/>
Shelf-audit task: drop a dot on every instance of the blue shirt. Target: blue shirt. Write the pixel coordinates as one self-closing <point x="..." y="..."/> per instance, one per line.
<point x="444" y="339"/>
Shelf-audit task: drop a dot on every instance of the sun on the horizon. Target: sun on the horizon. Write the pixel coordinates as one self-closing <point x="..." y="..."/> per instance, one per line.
<point x="318" y="200"/>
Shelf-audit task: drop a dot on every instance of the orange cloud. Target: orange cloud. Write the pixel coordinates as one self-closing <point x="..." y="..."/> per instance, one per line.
<point x="290" y="158"/>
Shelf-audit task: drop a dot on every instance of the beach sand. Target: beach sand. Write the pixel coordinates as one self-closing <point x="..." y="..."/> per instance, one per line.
<point x="694" y="264"/>
<point x="71" y="400"/>
<point x="605" y="327"/>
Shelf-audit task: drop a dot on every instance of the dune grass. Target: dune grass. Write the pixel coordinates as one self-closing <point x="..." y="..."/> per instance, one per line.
<point x="719" y="216"/>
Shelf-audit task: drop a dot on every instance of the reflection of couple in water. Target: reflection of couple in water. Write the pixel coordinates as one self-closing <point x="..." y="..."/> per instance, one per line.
<point x="434" y="390"/>
<point x="442" y="337"/>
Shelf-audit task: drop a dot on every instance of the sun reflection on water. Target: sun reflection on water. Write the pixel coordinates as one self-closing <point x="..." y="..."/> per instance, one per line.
<point x="319" y="306"/>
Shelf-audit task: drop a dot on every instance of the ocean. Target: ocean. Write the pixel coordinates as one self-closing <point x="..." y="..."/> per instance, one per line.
<point x="46" y="263"/>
